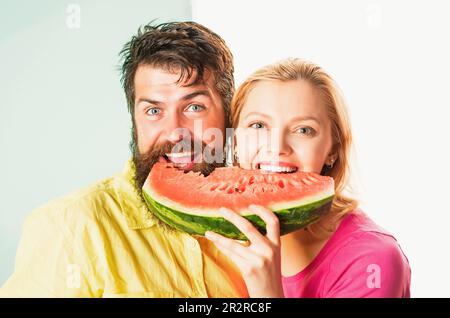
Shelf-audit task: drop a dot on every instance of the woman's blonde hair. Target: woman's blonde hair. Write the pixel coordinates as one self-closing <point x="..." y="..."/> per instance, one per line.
<point x="293" y="69"/>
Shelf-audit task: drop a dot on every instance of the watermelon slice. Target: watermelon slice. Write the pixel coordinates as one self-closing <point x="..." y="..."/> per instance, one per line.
<point x="189" y="201"/>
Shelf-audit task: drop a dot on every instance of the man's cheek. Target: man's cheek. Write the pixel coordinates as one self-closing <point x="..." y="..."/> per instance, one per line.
<point x="207" y="132"/>
<point x="146" y="140"/>
<point x="213" y="137"/>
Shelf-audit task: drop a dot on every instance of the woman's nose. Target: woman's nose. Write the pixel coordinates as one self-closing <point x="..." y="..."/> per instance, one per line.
<point x="279" y="143"/>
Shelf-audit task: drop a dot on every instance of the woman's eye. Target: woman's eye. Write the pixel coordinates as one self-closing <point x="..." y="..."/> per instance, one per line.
<point x="153" y="111"/>
<point x="257" y="125"/>
<point x="195" y="108"/>
<point x="306" y="131"/>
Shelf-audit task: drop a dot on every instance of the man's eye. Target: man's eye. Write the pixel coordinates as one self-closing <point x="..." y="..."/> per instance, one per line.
<point x="195" y="108"/>
<point x="306" y="131"/>
<point x="257" y="125"/>
<point x="153" y="111"/>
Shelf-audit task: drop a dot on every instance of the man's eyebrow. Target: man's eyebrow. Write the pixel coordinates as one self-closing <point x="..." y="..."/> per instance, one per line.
<point x="195" y="94"/>
<point x="148" y="100"/>
<point x="184" y="98"/>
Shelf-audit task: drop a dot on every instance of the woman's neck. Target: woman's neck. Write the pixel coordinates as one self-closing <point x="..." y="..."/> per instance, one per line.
<point x="299" y="248"/>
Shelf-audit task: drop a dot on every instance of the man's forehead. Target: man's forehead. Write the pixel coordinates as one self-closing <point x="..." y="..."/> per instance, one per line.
<point x="152" y="76"/>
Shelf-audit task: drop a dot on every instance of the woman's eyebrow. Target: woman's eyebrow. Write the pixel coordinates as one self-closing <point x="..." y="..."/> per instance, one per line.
<point x="256" y="114"/>
<point x="303" y="118"/>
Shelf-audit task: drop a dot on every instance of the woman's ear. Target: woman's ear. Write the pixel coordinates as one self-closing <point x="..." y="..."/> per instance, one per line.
<point x="331" y="159"/>
<point x="332" y="156"/>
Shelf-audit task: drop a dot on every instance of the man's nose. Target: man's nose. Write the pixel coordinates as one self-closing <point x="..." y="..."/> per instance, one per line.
<point x="175" y="132"/>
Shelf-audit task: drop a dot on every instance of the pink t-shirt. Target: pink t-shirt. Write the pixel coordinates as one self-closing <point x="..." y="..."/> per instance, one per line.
<point x="359" y="260"/>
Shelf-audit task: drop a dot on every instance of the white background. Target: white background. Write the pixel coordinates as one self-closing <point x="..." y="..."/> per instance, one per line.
<point x="392" y="61"/>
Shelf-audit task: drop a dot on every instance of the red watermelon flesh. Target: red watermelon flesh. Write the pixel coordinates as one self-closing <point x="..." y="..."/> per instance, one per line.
<point x="190" y="201"/>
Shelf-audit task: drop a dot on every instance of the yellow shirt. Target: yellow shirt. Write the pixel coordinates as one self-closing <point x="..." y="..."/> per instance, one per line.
<point x="101" y="241"/>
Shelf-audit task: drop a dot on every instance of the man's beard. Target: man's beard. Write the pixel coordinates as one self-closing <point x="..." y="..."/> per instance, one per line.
<point x="144" y="162"/>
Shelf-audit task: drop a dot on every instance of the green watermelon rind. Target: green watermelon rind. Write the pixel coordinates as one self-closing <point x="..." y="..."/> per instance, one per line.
<point x="291" y="219"/>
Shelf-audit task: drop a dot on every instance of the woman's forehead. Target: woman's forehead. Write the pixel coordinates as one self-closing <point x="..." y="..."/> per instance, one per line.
<point x="284" y="99"/>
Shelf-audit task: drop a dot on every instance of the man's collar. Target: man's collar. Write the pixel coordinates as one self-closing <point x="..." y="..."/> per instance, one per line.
<point x="135" y="210"/>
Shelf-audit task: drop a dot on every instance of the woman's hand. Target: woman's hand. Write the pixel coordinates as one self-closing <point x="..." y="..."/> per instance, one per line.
<point x="260" y="262"/>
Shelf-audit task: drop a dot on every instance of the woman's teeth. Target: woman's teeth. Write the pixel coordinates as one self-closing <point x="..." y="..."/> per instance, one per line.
<point x="271" y="168"/>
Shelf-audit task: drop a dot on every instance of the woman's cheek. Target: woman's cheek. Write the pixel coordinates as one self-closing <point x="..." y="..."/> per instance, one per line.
<point x="311" y="156"/>
<point x="247" y="145"/>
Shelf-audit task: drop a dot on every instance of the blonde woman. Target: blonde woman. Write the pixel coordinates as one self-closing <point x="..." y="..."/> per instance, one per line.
<point x="290" y="116"/>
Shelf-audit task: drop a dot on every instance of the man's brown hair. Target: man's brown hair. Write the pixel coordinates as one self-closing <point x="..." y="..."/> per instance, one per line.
<point x="185" y="46"/>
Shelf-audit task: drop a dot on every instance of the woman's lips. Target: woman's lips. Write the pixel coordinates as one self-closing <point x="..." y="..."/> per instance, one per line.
<point x="278" y="166"/>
